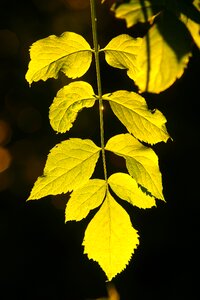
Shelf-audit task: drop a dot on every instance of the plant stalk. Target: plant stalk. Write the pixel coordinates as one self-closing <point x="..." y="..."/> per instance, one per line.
<point x="98" y="74"/>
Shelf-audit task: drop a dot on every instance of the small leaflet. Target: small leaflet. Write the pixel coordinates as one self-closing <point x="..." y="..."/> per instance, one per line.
<point x="68" y="102"/>
<point x="84" y="199"/>
<point x="131" y="109"/>
<point x="126" y="188"/>
<point x="69" y="165"/>
<point x="122" y="51"/>
<point x="141" y="162"/>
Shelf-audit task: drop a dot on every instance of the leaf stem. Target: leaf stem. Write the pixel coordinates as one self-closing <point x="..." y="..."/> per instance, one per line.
<point x="98" y="74"/>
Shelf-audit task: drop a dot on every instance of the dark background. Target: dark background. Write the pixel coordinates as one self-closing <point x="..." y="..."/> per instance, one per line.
<point x="40" y="256"/>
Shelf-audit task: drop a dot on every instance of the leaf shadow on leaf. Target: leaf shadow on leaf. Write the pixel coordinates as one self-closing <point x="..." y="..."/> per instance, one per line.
<point x="180" y="41"/>
<point x="145" y="190"/>
<point x="173" y="32"/>
<point x="134" y="212"/>
<point x="189" y="10"/>
<point x="171" y="28"/>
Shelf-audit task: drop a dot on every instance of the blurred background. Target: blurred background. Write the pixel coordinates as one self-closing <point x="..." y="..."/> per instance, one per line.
<point x="41" y="257"/>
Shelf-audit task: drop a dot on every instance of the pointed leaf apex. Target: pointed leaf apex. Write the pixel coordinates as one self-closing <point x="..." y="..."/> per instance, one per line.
<point x="110" y="238"/>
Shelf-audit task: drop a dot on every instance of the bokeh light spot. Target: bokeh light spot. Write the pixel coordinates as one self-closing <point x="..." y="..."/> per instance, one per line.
<point x="5" y="159"/>
<point x="5" y="132"/>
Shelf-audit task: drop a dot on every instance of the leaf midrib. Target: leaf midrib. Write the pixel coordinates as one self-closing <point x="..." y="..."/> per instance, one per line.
<point x="82" y="161"/>
<point x="60" y="58"/>
<point x="135" y="112"/>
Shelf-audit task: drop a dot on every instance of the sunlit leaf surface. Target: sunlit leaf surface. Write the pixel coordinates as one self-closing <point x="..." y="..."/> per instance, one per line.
<point x="163" y="56"/>
<point x="141" y="162"/>
<point x="131" y="109"/>
<point x="191" y="18"/>
<point x="110" y="238"/>
<point x="126" y="188"/>
<point x="68" y="102"/>
<point x="84" y="199"/>
<point x="69" y="53"/>
<point x="69" y="165"/>
<point x="122" y="51"/>
<point x="138" y="11"/>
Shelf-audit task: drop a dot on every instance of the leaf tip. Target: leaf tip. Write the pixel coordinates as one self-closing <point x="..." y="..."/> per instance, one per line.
<point x="28" y="79"/>
<point x="29" y="198"/>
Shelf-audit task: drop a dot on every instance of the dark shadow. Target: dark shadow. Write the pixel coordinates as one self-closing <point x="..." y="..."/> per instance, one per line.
<point x="173" y="31"/>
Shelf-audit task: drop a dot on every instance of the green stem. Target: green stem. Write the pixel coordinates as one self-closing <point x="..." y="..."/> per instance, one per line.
<point x="98" y="74"/>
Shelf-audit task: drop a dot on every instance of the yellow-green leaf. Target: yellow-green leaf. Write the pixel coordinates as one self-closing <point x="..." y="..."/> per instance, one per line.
<point x="196" y="4"/>
<point x="69" y="165"/>
<point x="84" y="199"/>
<point x="110" y="238"/>
<point x="194" y="29"/>
<point x="122" y="51"/>
<point x="126" y="188"/>
<point x="141" y="162"/>
<point x="133" y="11"/>
<point x="68" y="102"/>
<point x="69" y="53"/>
<point x="191" y="19"/>
<point x="163" y="55"/>
<point x="131" y="109"/>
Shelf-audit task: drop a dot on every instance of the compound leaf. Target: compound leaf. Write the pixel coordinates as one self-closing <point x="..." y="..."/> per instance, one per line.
<point x="121" y="52"/>
<point x="141" y="162"/>
<point x="84" y="199"/>
<point x="163" y="56"/>
<point x="131" y="109"/>
<point x="69" y="53"/>
<point x="68" y="102"/>
<point x="110" y="238"/>
<point x="133" y="12"/>
<point x="126" y="188"/>
<point x="69" y="165"/>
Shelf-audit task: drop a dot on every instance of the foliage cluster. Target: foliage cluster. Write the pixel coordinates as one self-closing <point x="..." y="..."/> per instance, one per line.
<point x="153" y="62"/>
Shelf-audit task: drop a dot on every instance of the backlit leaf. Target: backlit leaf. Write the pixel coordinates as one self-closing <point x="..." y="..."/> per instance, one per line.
<point x="84" y="199"/>
<point x="133" y="11"/>
<point x="68" y="102"/>
<point x="126" y="188"/>
<point x="191" y="18"/>
<point x="141" y="162"/>
<point x="69" y="53"/>
<point x="163" y="56"/>
<point x="121" y="52"/>
<point x="110" y="238"/>
<point x="69" y="165"/>
<point x="194" y="29"/>
<point x="131" y="109"/>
